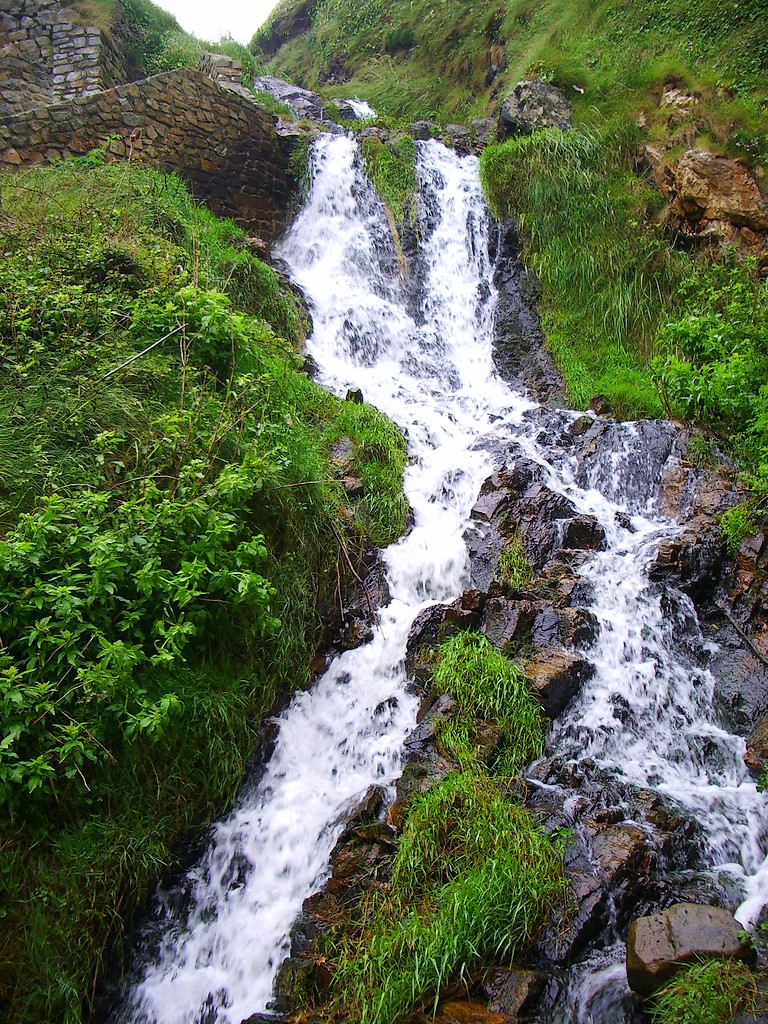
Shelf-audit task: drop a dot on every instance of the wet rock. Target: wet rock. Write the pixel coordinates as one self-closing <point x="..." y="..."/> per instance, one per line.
<point x="519" y="352"/>
<point x="355" y="634"/>
<point x="483" y="132"/>
<point x="567" y="627"/>
<point x="346" y="110"/>
<point x="756" y="757"/>
<point x="299" y="982"/>
<point x="658" y="945"/>
<point x="512" y="992"/>
<point x="419" y="776"/>
<point x="693" y="560"/>
<point x="468" y="1011"/>
<point x="303" y="103"/>
<point x="432" y="627"/>
<point x="459" y="138"/>
<point x="621" y="851"/>
<point x="262" y="1018"/>
<point x="532" y="105"/>
<point x="555" y="678"/>
<point x="584" y="533"/>
<point x="355" y="395"/>
<point x="505" y="622"/>
<point x="425" y="130"/>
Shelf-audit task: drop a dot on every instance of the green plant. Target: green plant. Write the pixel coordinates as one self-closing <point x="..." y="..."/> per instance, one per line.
<point x="706" y="993"/>
<point x="514" y="569"/>
<point x="472" y="882"/>
<point x="487" y="686"/>
<point x="391" y="166"/>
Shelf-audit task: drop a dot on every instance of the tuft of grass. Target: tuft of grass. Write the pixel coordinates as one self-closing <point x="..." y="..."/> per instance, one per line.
<point x="514" y="569"/>
<point x="391" y="166"/>
<point x="487" y="686"/>
<point x="473" y="880"/>
<point x="706" y="993"/>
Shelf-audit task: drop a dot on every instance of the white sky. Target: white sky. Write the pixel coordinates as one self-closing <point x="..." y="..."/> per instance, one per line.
<point x="212" y="19"/>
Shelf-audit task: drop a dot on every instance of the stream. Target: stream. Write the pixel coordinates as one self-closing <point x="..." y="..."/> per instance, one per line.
<point x="421" y="351"/>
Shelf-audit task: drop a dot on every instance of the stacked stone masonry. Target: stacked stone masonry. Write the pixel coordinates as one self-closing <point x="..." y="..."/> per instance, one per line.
<point x="47" y="54"/>
<point x="224" y="146"/>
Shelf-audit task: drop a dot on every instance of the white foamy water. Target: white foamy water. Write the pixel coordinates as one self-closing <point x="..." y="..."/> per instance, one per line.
<point x="646" y="715"/>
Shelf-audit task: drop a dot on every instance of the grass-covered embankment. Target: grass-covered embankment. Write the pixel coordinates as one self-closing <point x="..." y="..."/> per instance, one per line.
<point x="474" y="877"/>
<point x="170" y="521"/>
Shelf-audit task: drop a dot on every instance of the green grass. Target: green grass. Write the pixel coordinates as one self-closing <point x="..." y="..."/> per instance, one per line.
<point x="707" y="993"/>
<point x="618" y="52"/>
<point x="514" y="569"/>
<point x="161" y="510"/>
<point x="487" y="686"/>
<point x="608" y="275"/>
<point x="391" y="166"/>
<point x="474" y="877"/>
<point x="473" y="881"/>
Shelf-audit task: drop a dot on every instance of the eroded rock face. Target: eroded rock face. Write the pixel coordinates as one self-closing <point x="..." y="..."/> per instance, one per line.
<point x="532" y="105"/>
<point x="658" y="945"/>
<point x="756" y="757"/>
<point x="718" y="199"/>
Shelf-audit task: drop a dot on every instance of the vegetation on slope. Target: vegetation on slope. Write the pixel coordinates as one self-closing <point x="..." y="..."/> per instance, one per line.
<point x="706" y="993"/>
<point x="474" y="877"/>
<point x="170" y="522"/>
<point x="455" y="59"/>
<point x="612" y="280"/>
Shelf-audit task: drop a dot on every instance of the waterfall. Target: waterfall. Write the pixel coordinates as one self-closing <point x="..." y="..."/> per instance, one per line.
<point x="431" y="371"/>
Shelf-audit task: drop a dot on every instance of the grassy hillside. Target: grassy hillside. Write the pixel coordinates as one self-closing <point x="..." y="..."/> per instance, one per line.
<point x="456" y="58"/>
<point x="628" y="312"/>
<point x="170" y="526"/>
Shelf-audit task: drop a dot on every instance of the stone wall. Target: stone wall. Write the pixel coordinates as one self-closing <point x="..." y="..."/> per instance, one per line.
<point x="224" y="146"/>
<point x="48" y="54"/>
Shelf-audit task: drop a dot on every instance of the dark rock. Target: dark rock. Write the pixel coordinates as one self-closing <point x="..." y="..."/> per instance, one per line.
<point x="519" y="352"/>
<point x="565" y="627"/>
<point x="345" y="109"/>
<point x="303" y="103"/>
<point x="355" y="395"/>
<point x="263" y="1018"/>
<point x="555" y="678"/>
<point x="512" y="992"/>
<point x="621" y="851"/>
<point x="533" y="105"/>
<point x="483" y="132"/>
<point x="658" y="945"/>
<point x="459" y="138"/>
<point x="756" y="757"/>
<point x="298" y="982"/>
<point x="584" y="533"/>
<point x="693" y="560"/>
<point x="506" y="621"/>
<point x="424" y="130"/>
<point x="355" y="634"/>
<point x="433" y="626"/>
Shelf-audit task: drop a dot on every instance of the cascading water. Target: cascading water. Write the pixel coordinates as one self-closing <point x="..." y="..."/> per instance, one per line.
<point x="645" y="717"/>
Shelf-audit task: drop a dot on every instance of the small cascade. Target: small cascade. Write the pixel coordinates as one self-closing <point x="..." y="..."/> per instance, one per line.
<point x="645" y="719"/>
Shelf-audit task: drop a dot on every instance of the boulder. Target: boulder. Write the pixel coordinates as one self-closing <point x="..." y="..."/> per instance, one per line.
<point x="658" y="945"/>
<point x="458" y="138"/>
<point x="533" y="105"/>
<point x="424" y="130"/>
<point x="512" y="991"/>
<point x="555" y="678"/>
<point x="718" y="188"/>
<point x="303" y="103"/>
<point x="483" y="132"/>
